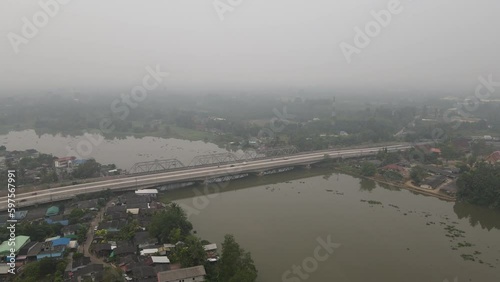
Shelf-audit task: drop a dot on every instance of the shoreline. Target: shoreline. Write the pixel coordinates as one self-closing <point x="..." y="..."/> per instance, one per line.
<point x="403" y="186"/>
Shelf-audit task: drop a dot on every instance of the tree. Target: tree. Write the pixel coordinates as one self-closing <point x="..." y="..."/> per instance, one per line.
<point x="417" y="174"/>
<point x="190" y="253"/>
<point x="480" y="186"/>
<point x="164" y="222"/>
<point x="89" y="169"/>
<point x="3" y="148"/>
<point x="75" y="215"/>
<point x="235" y="264"/>
<point x="368" y="169"/>
<point x="44" y="270"/>
<point x="112" y="274"/>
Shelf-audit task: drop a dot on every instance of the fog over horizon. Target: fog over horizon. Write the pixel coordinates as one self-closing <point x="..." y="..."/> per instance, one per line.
<point x="286" y="46"/>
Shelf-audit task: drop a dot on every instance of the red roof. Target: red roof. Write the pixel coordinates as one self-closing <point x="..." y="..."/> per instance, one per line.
<point x="394" y="167"/>
<point x="436" y="150"/>
<point x="494" y="157"/>
<point x="65" y="159"/>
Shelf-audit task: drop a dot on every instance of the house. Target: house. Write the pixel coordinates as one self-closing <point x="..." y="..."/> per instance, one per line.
<point x="114" y="215"/>
<point x="78" y="263"/>
<point x="134" y="198"/>
<point x="53" y="210"/>
<point x="87" y="204"/>
<point x="211" y="250"/>
<point x="137" y="205"/>
<point x="196" y="274"/>
<point x="149" y="251"/>
<point x="159" y="259"/>
<point x="63" y="162"/>
<point x="60" y="242"/>
<point x="493" y="158"/>
<point x="124" y="248"/>
<point x="57" y="219"/>
<point x="116" y="209"/>
<point x="70" y="229"/>
<point x="34" y="250"/>
<point x="52" y="251"/>
<point x="143" y="273"/>
<point x="20" y="215"/>
<point x="91" y="272"/>
<point x="22" y="255"/>
<point x="77" y="162"/>
<point x="451" y="173"/>
<point x="134" y="211"/>
<point x="433" y="182"/>
<point x="20" y="241"/>
<point x="435" y="151"/>
<point x="73" y="244"/>
<point x="102" y="249"/>
<point x="112" y="226"/>
<point x="395" y="167"/>
<point x="149" y="192"/>
<point x="142" y="239"/>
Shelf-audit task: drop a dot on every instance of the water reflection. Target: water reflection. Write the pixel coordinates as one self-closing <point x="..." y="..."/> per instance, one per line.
<point x="367" y="184"/>
<point x="484" y="217"/>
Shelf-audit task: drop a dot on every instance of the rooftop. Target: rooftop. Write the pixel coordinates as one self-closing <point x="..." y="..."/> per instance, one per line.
<point x="183" y="273"/>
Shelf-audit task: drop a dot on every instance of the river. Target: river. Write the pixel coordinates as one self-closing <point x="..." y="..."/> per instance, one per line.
<point x="399" y="236"/>
<point x="123" y="152"/>
<point x="372" y="232"/>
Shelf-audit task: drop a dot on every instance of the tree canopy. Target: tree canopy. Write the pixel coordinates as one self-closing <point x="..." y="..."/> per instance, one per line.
<point x="368" y="169"/>
<point x="90" y="168"/>
<point x="165" y="223"/>
<point x="236" y="265"/>
<point x="480" y="186"/>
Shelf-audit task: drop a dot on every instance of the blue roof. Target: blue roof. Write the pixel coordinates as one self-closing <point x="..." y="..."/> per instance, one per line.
<point x="63" y="222"/>
<point x="61" y="241"/>
<point x="79" y="162"/>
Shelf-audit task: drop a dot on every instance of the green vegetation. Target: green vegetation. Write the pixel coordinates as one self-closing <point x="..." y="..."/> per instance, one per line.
<point x="235" y="265"/>
<point x="172" y="221"/>
<point x="190" y="253"/>
<point x="89" y="169"/>
<point x="368" y="169"/>
<point x="417" y="174"/>
<point x="44" y="270"/>
<point x="37" y="231"/>
<point x="480" y="186"/>
<point x="171" y="226"/>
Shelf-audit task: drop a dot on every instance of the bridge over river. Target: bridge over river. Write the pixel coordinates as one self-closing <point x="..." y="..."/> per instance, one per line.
<point x="200" y="173"/>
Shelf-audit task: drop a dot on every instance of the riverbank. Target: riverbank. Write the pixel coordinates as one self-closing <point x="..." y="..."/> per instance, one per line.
<point x="407" y="185"/>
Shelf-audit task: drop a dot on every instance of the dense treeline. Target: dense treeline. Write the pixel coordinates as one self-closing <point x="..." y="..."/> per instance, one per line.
<point x="172" y="226"/>
<point x="481" y="185"/>
<point x="309" y="124"/>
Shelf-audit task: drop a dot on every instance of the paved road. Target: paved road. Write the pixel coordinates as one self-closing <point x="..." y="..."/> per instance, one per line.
<point x="85" y="248"/>
<point x="201" y="173"/>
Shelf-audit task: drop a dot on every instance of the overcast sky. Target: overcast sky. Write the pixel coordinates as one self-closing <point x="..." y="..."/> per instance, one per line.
<point x="431" y="45"/>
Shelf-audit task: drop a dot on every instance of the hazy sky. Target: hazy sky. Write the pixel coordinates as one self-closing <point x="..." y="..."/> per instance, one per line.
<point x="431" y="45"/>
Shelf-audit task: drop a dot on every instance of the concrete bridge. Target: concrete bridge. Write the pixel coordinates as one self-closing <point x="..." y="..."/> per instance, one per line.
<point x="193" y="174"/>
